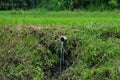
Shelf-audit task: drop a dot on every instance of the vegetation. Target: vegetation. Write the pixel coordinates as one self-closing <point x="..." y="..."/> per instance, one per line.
<point x="30" y="45"/>
<point x="36" y="17"/>
<point x="100" y="5"/>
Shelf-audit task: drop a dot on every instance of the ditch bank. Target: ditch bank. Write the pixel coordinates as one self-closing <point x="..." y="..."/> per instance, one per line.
<point x="35" y="51"/>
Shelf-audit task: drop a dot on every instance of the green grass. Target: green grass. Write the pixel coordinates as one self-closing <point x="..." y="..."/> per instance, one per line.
<point x="38" y="17"/>
<point x="30" y="43"/>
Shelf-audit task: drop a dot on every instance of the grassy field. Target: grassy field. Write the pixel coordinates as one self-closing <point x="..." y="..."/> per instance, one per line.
<point x="30" y="45"/>
<point x="65" y="17"/>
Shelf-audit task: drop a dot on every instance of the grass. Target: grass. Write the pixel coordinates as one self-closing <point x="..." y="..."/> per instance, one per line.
<point x="66" y="18"/>
<point x="30" y="45"/>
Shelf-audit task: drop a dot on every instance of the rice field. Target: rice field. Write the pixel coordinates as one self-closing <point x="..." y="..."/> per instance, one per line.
<point x="38" y="17"/>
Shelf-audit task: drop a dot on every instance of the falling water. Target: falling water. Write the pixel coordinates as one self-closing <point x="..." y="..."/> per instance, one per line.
<point x="61" y="57"/>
